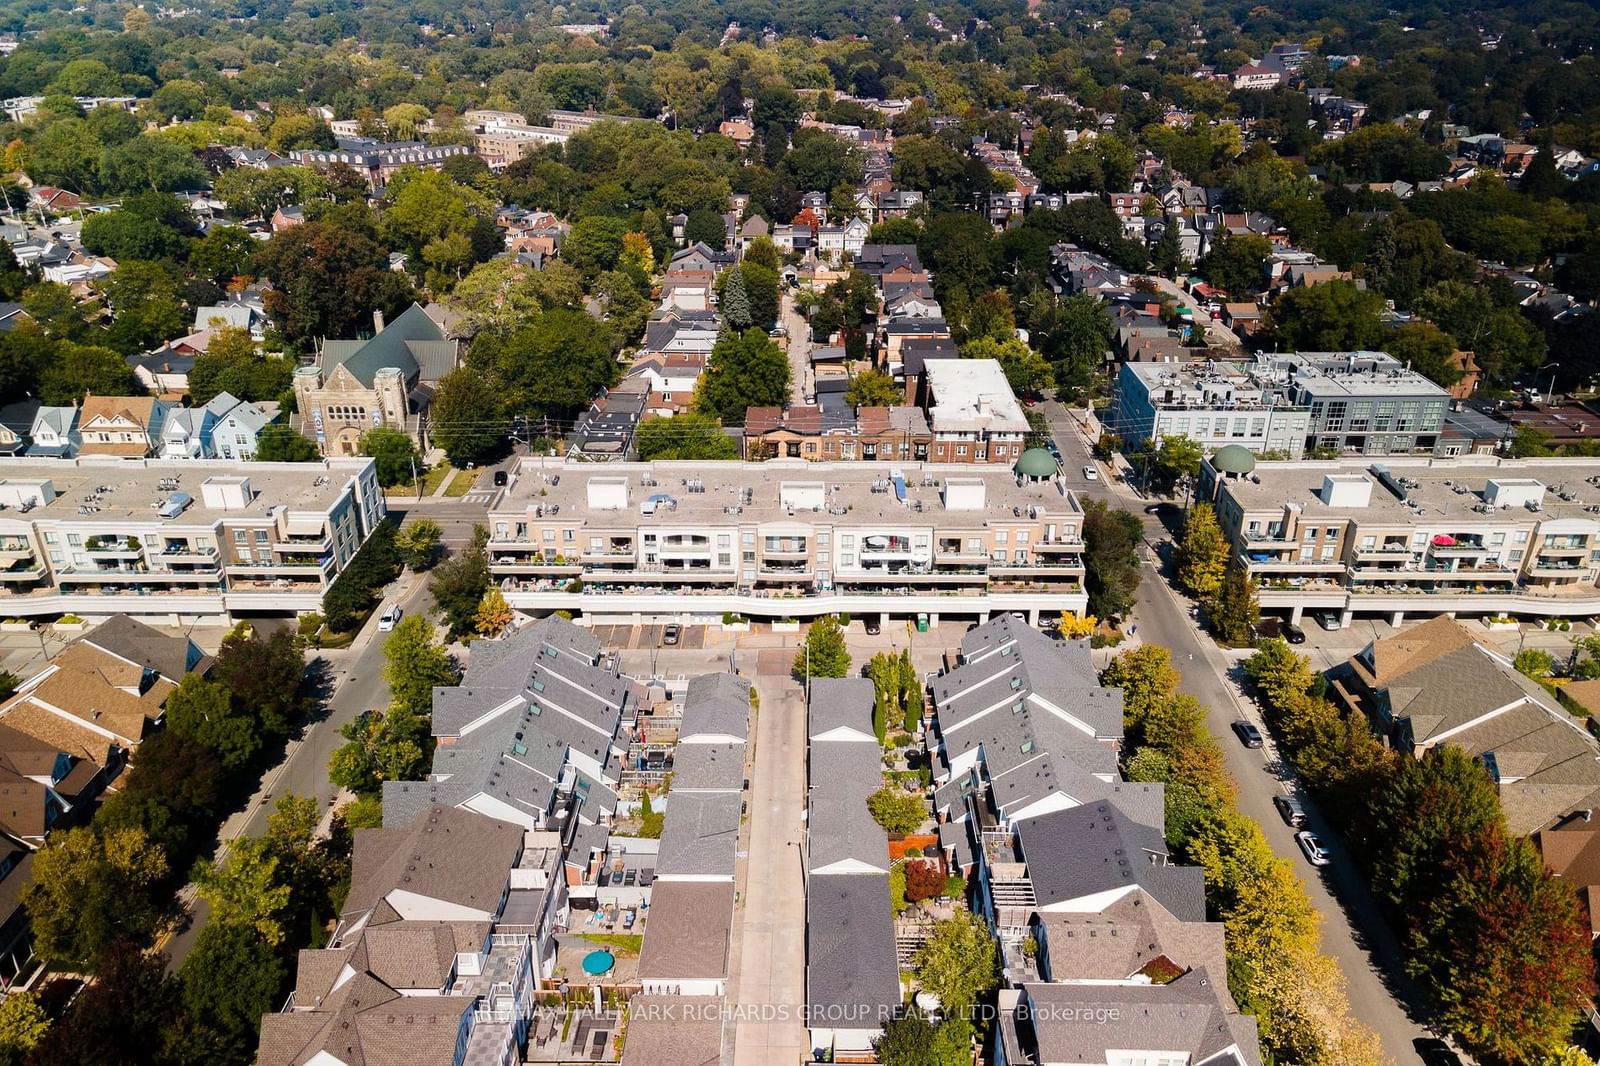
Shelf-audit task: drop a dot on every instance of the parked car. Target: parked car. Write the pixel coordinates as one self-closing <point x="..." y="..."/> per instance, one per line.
<point x="390" y="617"/>
<point x="1316" y="854"/>
<point x="1091" y="474"/>
<point x="1249" y="735"/>
<point x="500" y="479"/>
<point x="669" y="635"/>
<point x="1293" y="633"/>
<point x="1290" y="810"/>
<point x="1435" y="1052"/>
<point x="873" y="627"/>
<point x="1330" y="620"/>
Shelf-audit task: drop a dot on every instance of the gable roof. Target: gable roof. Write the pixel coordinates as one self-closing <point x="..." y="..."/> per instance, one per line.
<point x="128" y="638"/>
<point x="716" y="704"/>
<point x="851" y="968"/>
<point x="447" y="854"/>
<point x="1085" y="1022"/>
<point x="1097" y="848"/>
<point x="411" y="343"/>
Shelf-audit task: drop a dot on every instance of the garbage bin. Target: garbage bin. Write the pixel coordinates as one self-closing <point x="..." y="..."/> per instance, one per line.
<point x="922" y="623"/>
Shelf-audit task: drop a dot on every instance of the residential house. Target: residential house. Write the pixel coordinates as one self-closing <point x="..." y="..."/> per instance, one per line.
<point x="16" y="422"/>
<point x="127" y="426"/>
<point x="972" y="411"/>
<point x="54" y="433"/>
<point x="237" y="434"/>
<point x="821" y="434"/>
<point x="1433" y="684"/>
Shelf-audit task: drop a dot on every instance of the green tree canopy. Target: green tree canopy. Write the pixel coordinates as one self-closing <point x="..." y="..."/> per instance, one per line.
<point x="683" y="436"/>
<point x="745" y="370"/>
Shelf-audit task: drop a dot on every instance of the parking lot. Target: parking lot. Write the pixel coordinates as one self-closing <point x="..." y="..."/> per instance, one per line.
<point x="624" y="638"/>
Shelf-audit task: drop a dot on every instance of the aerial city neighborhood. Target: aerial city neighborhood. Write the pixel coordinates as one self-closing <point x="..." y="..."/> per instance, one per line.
<point x="719" y="535"/>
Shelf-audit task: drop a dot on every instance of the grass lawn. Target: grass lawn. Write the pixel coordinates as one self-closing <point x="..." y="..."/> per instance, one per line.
<point x="462" y="484"/>
<point x="626" y="944"/>
<point x="430" y="483"/>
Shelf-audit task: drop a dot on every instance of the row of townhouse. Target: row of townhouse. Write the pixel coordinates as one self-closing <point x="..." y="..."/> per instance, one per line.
<point x="65" y="735"/>
<point x="788" y="539"/>
<point x="135" y="426"/>
<point x="181" y="541"/>
<point x="457" y="905"/>
<point x="852" y="965"/>
<point x="1106" y="952"/>
<point x="1469" y="535"/>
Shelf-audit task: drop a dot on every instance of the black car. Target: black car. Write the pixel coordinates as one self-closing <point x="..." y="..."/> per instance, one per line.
<point x="1434" y="1052"/>
<point x="1249" y="735"/>
<point x="1293" y="633"/>
<point x="500" y="479"/>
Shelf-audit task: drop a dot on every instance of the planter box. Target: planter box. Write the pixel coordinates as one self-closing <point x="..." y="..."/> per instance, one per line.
<point x="15" y="627"/>
<point x="1502" y="627"/>
<point x="69" y="627"/>
<point x="735" y="627"/>
<point x="786" y="627"/>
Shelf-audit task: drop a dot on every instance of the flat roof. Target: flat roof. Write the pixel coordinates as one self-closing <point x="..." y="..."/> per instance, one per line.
<point x="126" y="489"/>
<point x="972" y="395"/>
<point x="1445" y="489"/>
<point x="865" y="489"/>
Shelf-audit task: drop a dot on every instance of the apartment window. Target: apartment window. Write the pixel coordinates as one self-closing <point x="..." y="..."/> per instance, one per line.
<point x="974" y="546"/>
<point x="550" y="536"/>
<point x="1000" y="536"/>
<point x="55" y="558"/>
<point x="568" y="536"/>
<point x="1202" y="426"/>
<point x="1496" y="539"/>
<point x="75" y="540"/>
<point x="823" y="538"/>
<point x="595" y="543"/>
<point x="822" y="558"/>
<point x="1516" y="555"/>
<point x="261" y="536"/>
<point x="1331" y="534"/>
<point x="1327" y="552"/>
<point x="724" y="540"/>
<point x="749" y="557"/>
<point x="51" y="538"/>
<point x="1305" y="554"/>
<point x="847" y="540"/>
<point x="749" y="537"/>
<point x="961" y="449"/>
<point x="847" y="559"/>
<point x="1310" y="535"/>
<point x="1369" y="542"/>
<point x="1520" y="537"/>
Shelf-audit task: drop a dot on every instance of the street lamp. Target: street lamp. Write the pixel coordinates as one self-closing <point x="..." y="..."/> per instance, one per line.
<point x="1550" y="397"/>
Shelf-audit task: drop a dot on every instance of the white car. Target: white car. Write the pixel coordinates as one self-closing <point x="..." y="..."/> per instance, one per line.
<point x="1316" y="853"/>
<point x="1091" y="474"/>
<point x="389" y="618"/>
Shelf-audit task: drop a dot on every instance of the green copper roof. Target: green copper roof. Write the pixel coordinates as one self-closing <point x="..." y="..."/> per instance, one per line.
<point x="1036" y="462"/>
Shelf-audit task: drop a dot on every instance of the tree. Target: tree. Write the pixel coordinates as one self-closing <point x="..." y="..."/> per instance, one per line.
<point x="231" y="979"/>
<point x="121" y="1017"/>
<point x="1110" y="538"/>
<point x="824" y="653"/>
<point x="1422" y="814"/>
<point x="80" y="369"/>
<point x="414" y="664"/>
<point x="91" y="890"/>
<point x="1147" y="679"/>
<point x="1428" y="350"/>
<point x="396" y="455"/>
<point x="233" y="363"/>
<point x="23" y="1023"/>
<point x="494" y="614"/>
<point x="382" y="746"/>
<point x="683" y="436"/>
<point x="159" y="164"/>
<point x="1073" y="334"/>
<point x="1334" y="316"/>
<point x="245" y="890"/>
<point x="1534" y="662"/>
<point x="203" y="711"/>
<point x="873" y="388"/>
<point x="467" y="417"/>
<point x="912" y="1040"/>
<point x="1502" y="946"/>
<point x="420" y="543"/>
<point x="1175" y="458"/>
<point x="264" y="677"/>
<point x="744" y="370"/>
<point x="327" y="281"/>
<point x="1236" y="614"/>
<point x="281" y="444"/>
<point x="1236" y="263"/>
<point x="459" y="583"/>
<point x="147" y="304"/>
<point x="959" y="962"/>
<point x="552" y="366"/>
<point x="1074" y="626"/>
<point x="898" y="811"/>
<point x="1025" y="369"/>
<point x="924" y="880"/>
<point x="1202" y="555"/>
<point x="734" y="302"/>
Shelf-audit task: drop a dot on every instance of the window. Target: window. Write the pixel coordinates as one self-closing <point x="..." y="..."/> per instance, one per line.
<point x="1000" y="536"/>
<point x="595" y="543"/>
<point x="1022" y="536"/>
<point x="749" y="538"/>
<point x="847" y="559"/>
<point x="75" y="540"/>
<point x="261" y="536"/>
<point x="823" y="538"/>
<point x="1516" y="555"/>
<point x="1520" y="537"/>
<point x="724" y="540"/>
<point x="961" y="449"/>
<point x="568" y="536"/>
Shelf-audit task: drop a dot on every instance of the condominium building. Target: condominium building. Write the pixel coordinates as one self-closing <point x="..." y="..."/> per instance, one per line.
<point x="1365" y="402"/>
<point x="378" y="161"/>
<point x="178" y="541"/>
<point x="788" y="539"/>
<point x="1212" y="403"/>
<point x="1414" y="536"/>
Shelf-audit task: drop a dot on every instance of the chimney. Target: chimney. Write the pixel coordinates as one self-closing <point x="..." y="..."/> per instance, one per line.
<point x="377" y="321"/>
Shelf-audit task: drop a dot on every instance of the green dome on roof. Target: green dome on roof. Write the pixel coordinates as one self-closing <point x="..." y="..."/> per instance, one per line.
<point x="1036" y="462"/>
<point x="1233" y="459"/>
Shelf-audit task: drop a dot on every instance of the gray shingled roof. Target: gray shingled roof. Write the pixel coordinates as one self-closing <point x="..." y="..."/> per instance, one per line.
<point x="716" y="704"/>
<point x="397" y="345"/>
<point x="708" y="767"/>
<point x="688" y="932"/>
<point x="699" y="835"/>
<point x="1083" y="1023"/>
<point x="840" y="702"/>
<point x="851" y="964"/>
<point x="1096" y="848"/>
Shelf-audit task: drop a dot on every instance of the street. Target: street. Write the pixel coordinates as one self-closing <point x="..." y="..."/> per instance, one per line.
<point x="1354" y="933"/>
<point x="355" y="675"/>
<point x="799" y="345"/>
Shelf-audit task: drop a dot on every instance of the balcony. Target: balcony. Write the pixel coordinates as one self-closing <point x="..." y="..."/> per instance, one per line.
<point x="609" y="552"/>
<point x="112" y="548"/>
<point x="22" y="574"/>
<point x="1460" y="547"/>
<point x="1564" y="549"/>
<point x="178" y="552"/>
<point x="1381" y="552"/>
<point x="15" y="548"/>
<point x="302" y="544"/>
<point x="789" y="546"/>
<point x="1543" y="567"/>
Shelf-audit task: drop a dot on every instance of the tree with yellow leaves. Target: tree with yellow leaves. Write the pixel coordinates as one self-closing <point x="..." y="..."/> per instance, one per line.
<point x="494" y="614"/>
<point x="1077" y="627"/>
